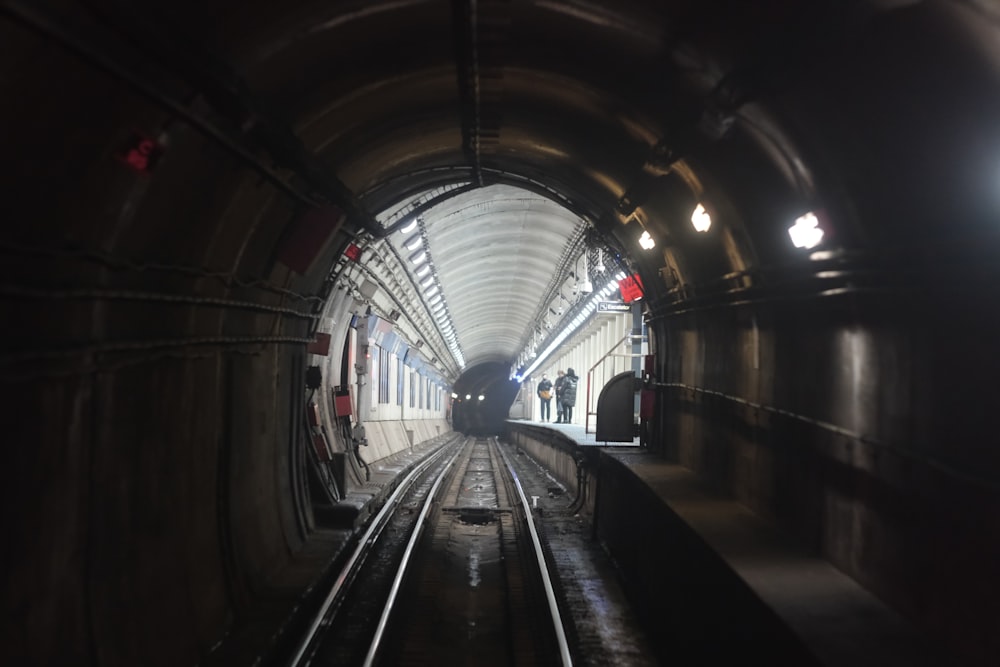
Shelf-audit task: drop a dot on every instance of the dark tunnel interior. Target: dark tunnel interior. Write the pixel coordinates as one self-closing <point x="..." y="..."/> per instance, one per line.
<point x="485" y="416"/>
<point x="187" y="184"/>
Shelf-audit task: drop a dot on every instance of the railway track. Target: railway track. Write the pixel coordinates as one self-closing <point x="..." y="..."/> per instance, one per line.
<point x="450" y="572"/>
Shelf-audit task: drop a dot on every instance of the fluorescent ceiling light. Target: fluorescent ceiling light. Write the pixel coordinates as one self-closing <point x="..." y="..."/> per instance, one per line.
<point x="432" y="290"/>
<point x="418" y="257"/>
<point x="409" y="227"/>
<point x="414" y="243"/>
<point x="424" y="270"/>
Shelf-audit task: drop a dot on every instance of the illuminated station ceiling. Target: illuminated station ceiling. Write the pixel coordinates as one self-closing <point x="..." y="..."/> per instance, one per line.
<point x="496" y="256"/>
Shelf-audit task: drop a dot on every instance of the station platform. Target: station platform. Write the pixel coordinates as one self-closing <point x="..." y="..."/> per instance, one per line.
<point x="576" y="432"/>
<point x="719" y="584"/>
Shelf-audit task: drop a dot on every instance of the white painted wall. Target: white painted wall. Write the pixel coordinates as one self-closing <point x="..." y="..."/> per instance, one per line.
<point x="598" y="352"/>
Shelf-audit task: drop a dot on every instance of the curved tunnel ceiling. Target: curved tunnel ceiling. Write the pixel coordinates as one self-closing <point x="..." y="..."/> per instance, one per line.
<point x="496" y="254"/>
<point x="622" y="114"/>
<point x="605" y="107"/>
<point x="157" y="415"/>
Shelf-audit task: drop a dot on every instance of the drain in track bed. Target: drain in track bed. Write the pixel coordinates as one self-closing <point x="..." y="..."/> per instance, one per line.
<point x="477" y="515"/>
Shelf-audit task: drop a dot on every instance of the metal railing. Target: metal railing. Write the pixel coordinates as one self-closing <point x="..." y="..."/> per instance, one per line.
<point x="599" y="374"/>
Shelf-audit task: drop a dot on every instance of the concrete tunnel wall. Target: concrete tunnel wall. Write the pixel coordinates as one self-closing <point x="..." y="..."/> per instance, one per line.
<point x="147" y="507"/>
<point x="873" y="479"/>
<point x="146" y="504"/>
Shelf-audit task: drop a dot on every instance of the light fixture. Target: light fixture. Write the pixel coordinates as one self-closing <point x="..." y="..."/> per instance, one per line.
<point x="434" y="300"/>
<point x="428" y="281"/>
<point x="481" y="397"/>
<point x="454" y="395"/>
<point x="468" y="397"/>
<point x="700" y="218"/>
<point x="409" y="227"/>
<point x="414" y="243"/>
<point x="646" y="241"/>
<point x="418" y="257"/>
<point x="537" y="359"/>
<point x="424" y="270"/>
<point x="432" y="290"/>
<point x="805" y="232"/>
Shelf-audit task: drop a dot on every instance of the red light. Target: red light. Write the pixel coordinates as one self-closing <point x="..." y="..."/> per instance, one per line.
<point x="353" y="252"/>
<point x="140" y="152"/>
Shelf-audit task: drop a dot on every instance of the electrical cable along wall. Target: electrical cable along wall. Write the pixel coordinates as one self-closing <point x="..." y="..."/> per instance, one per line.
<point x="182" y="177"/>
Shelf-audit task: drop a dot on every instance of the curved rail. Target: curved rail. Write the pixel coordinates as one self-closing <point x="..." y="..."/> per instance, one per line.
<point x="364" y="545"/>
<point x="550" y="595"/>
<point x="418" y="530"/>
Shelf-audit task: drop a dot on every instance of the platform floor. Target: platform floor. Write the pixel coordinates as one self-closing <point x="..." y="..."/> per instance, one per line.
<point x="577" y="432"/>
<point x="839" y="621"/>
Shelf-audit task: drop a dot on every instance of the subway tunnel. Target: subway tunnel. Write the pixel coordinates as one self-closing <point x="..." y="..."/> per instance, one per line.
<point x="195" y="191"/>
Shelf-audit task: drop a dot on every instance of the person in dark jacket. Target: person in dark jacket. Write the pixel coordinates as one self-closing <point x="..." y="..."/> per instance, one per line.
<point x="569" y="395"/>
<point x="560" y="381"/>
<point x="545" y="393"/>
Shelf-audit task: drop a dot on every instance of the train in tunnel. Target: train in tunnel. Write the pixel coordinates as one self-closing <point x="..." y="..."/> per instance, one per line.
<point x="251" y="250"/>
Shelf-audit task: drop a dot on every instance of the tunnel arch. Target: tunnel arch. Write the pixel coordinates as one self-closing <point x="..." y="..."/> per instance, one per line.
<point x="155" y="331"/>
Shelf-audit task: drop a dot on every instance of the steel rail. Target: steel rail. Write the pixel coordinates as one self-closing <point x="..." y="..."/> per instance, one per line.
<point x="550" y="595"/>
<point x="404" y="564"/>
<point x="357" y="558"/>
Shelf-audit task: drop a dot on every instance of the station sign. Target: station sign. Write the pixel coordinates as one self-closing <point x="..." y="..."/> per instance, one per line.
<point x="613" y="307"/>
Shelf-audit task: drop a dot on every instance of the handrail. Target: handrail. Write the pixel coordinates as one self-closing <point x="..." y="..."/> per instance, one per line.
<point x="609" y="353"/>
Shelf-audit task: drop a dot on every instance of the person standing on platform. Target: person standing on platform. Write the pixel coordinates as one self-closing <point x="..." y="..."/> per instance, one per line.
<point x="569" y="395"/>
<point x="558" y="386"/>
<point x="545" y="393"/>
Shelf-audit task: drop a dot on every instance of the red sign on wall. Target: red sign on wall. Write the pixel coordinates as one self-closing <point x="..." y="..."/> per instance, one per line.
<point x="631" y="288"/>
<point x="320" y="346"/>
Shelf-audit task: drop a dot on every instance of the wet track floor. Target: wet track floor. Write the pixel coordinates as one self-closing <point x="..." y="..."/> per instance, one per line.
<point x="604" y="630"/>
